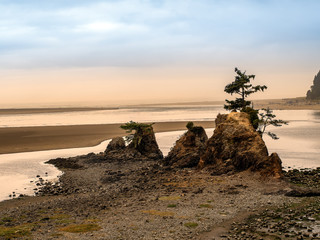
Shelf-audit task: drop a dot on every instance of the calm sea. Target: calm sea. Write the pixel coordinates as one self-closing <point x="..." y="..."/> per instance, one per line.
<point x="298" y="146"/>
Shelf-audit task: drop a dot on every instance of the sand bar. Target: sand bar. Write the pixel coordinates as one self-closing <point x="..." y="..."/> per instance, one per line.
<point x="27" y="139"/>
<point x="12" y="111"/>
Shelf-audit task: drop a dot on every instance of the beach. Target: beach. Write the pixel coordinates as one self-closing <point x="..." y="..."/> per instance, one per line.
<point x="99" y="197"/>
<point x="27" y="139"/>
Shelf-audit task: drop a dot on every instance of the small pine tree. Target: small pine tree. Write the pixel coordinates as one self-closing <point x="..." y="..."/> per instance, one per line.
<point x="190" y="126"/>
<point x="241" y="86"/>
<point x="267" y="118"/>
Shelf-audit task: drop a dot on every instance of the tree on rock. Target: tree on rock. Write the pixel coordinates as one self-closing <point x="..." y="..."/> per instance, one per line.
<point x="140" y="130"/>
<point x="314" y="93"/>
<point x="243" y="88"/>
<point x="267" y="118"/>
<point x="142" y="139"/>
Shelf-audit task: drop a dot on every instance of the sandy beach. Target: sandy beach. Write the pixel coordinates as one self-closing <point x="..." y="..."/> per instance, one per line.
<point x="27" y="139"/>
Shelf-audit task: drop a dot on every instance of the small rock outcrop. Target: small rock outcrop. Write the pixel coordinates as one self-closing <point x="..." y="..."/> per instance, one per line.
<point x="116" y="144"/>
<point x="236" y="146"/>
<point x="188" y="149"/>
<point x="143" y="147"/>
<point x="144" y="141"/>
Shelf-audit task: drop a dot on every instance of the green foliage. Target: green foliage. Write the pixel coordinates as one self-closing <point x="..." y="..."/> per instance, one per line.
<point x="139" y="130"/>
<point x="267" y="118"/>
<point x="243" y="88"/>
<point x="15" y="231"/>
<point x="191" y="225"/>
<point x="206" y="206"/>
<point x="81" y="228"/>
<point x="189" y="125"/>
<point x="253" y="116"/>
<point x="172" y="205"/>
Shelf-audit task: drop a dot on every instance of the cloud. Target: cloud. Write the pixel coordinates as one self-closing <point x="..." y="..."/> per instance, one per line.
<point x="152" y="32"/>
<point x="104" y="26"/>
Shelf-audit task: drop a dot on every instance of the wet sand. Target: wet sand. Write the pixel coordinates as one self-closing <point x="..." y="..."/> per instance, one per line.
<point x="27" y="139"/>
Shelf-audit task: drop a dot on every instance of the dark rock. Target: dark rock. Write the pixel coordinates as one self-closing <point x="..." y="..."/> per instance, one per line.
<point x="62" y="163"/>
<point x="116" y="144"/>
<point x="236" y="146"/>
<point x="303" y="192"/>
<point x="146" y="149"/>
<point x="147" y="144"/>
<point x="188" y="149"/>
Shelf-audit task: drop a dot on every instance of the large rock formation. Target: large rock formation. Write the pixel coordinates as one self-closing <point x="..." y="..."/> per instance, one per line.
<point x="314" y="93"/>
<point x="188" y="149"/>
<point x="143" y="147"/>
<point x="236" y="146"/>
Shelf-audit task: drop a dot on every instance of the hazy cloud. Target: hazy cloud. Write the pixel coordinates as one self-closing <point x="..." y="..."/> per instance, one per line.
<point x="138" y="32"/>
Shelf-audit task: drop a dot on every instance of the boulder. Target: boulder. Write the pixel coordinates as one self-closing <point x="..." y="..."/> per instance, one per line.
<point x="236" y="146"/>
<point x="188" y="149"/>
<point x="116" y="144"/>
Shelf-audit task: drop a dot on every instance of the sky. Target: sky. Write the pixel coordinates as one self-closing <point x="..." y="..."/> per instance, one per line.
<point x="113" y="52"/>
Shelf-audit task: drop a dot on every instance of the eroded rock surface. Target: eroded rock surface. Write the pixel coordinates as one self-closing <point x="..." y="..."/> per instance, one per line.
<point x="147" y="144"/>
<point x="236" y="146"/>
<point x="144" y="148"/>
<point x="188" y="149"/>
<point x="116" y="144"/>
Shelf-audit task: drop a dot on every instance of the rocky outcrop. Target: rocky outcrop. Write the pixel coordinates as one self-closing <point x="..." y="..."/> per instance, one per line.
<point x="143" y="148"/>
<point x="146" y="143"/>
<point x="116" y="144"/>
<point x="236" y="146"/>
<point x="188" y="149"/>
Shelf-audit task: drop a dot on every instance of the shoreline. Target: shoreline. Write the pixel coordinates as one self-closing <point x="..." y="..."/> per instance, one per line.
<point x="29" y="139"/>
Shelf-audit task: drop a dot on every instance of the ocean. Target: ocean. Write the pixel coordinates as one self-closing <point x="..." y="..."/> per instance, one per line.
<point x="298" y="146"/>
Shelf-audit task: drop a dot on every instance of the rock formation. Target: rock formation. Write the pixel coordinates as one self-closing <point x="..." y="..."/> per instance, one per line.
<point x="116" y="144"/>
<point x="314" y="93"/>
<point x="147" y="143"/>
<point x="188" y="149"/>
<point x="146" y="149"/>
<point x="236" y="146"/>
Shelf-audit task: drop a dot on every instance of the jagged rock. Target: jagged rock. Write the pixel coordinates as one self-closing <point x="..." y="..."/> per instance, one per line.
<point x="116" y="144"/>
<point x="147" y="144"/>
<point x="145" y="148"/>
<point x="236" y="146"/>
<point x="188" y="149"/>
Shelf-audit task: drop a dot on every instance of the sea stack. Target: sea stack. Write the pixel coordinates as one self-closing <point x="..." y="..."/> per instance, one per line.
<point x="236" y="146"/>
<point x="188" y="149"/>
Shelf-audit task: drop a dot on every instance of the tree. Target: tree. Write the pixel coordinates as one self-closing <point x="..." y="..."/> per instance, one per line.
<point x="241" y="86"/>
<point x="190" y="126"/>
<point x="140" y="130"/>
<point x="267" y="118"/>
